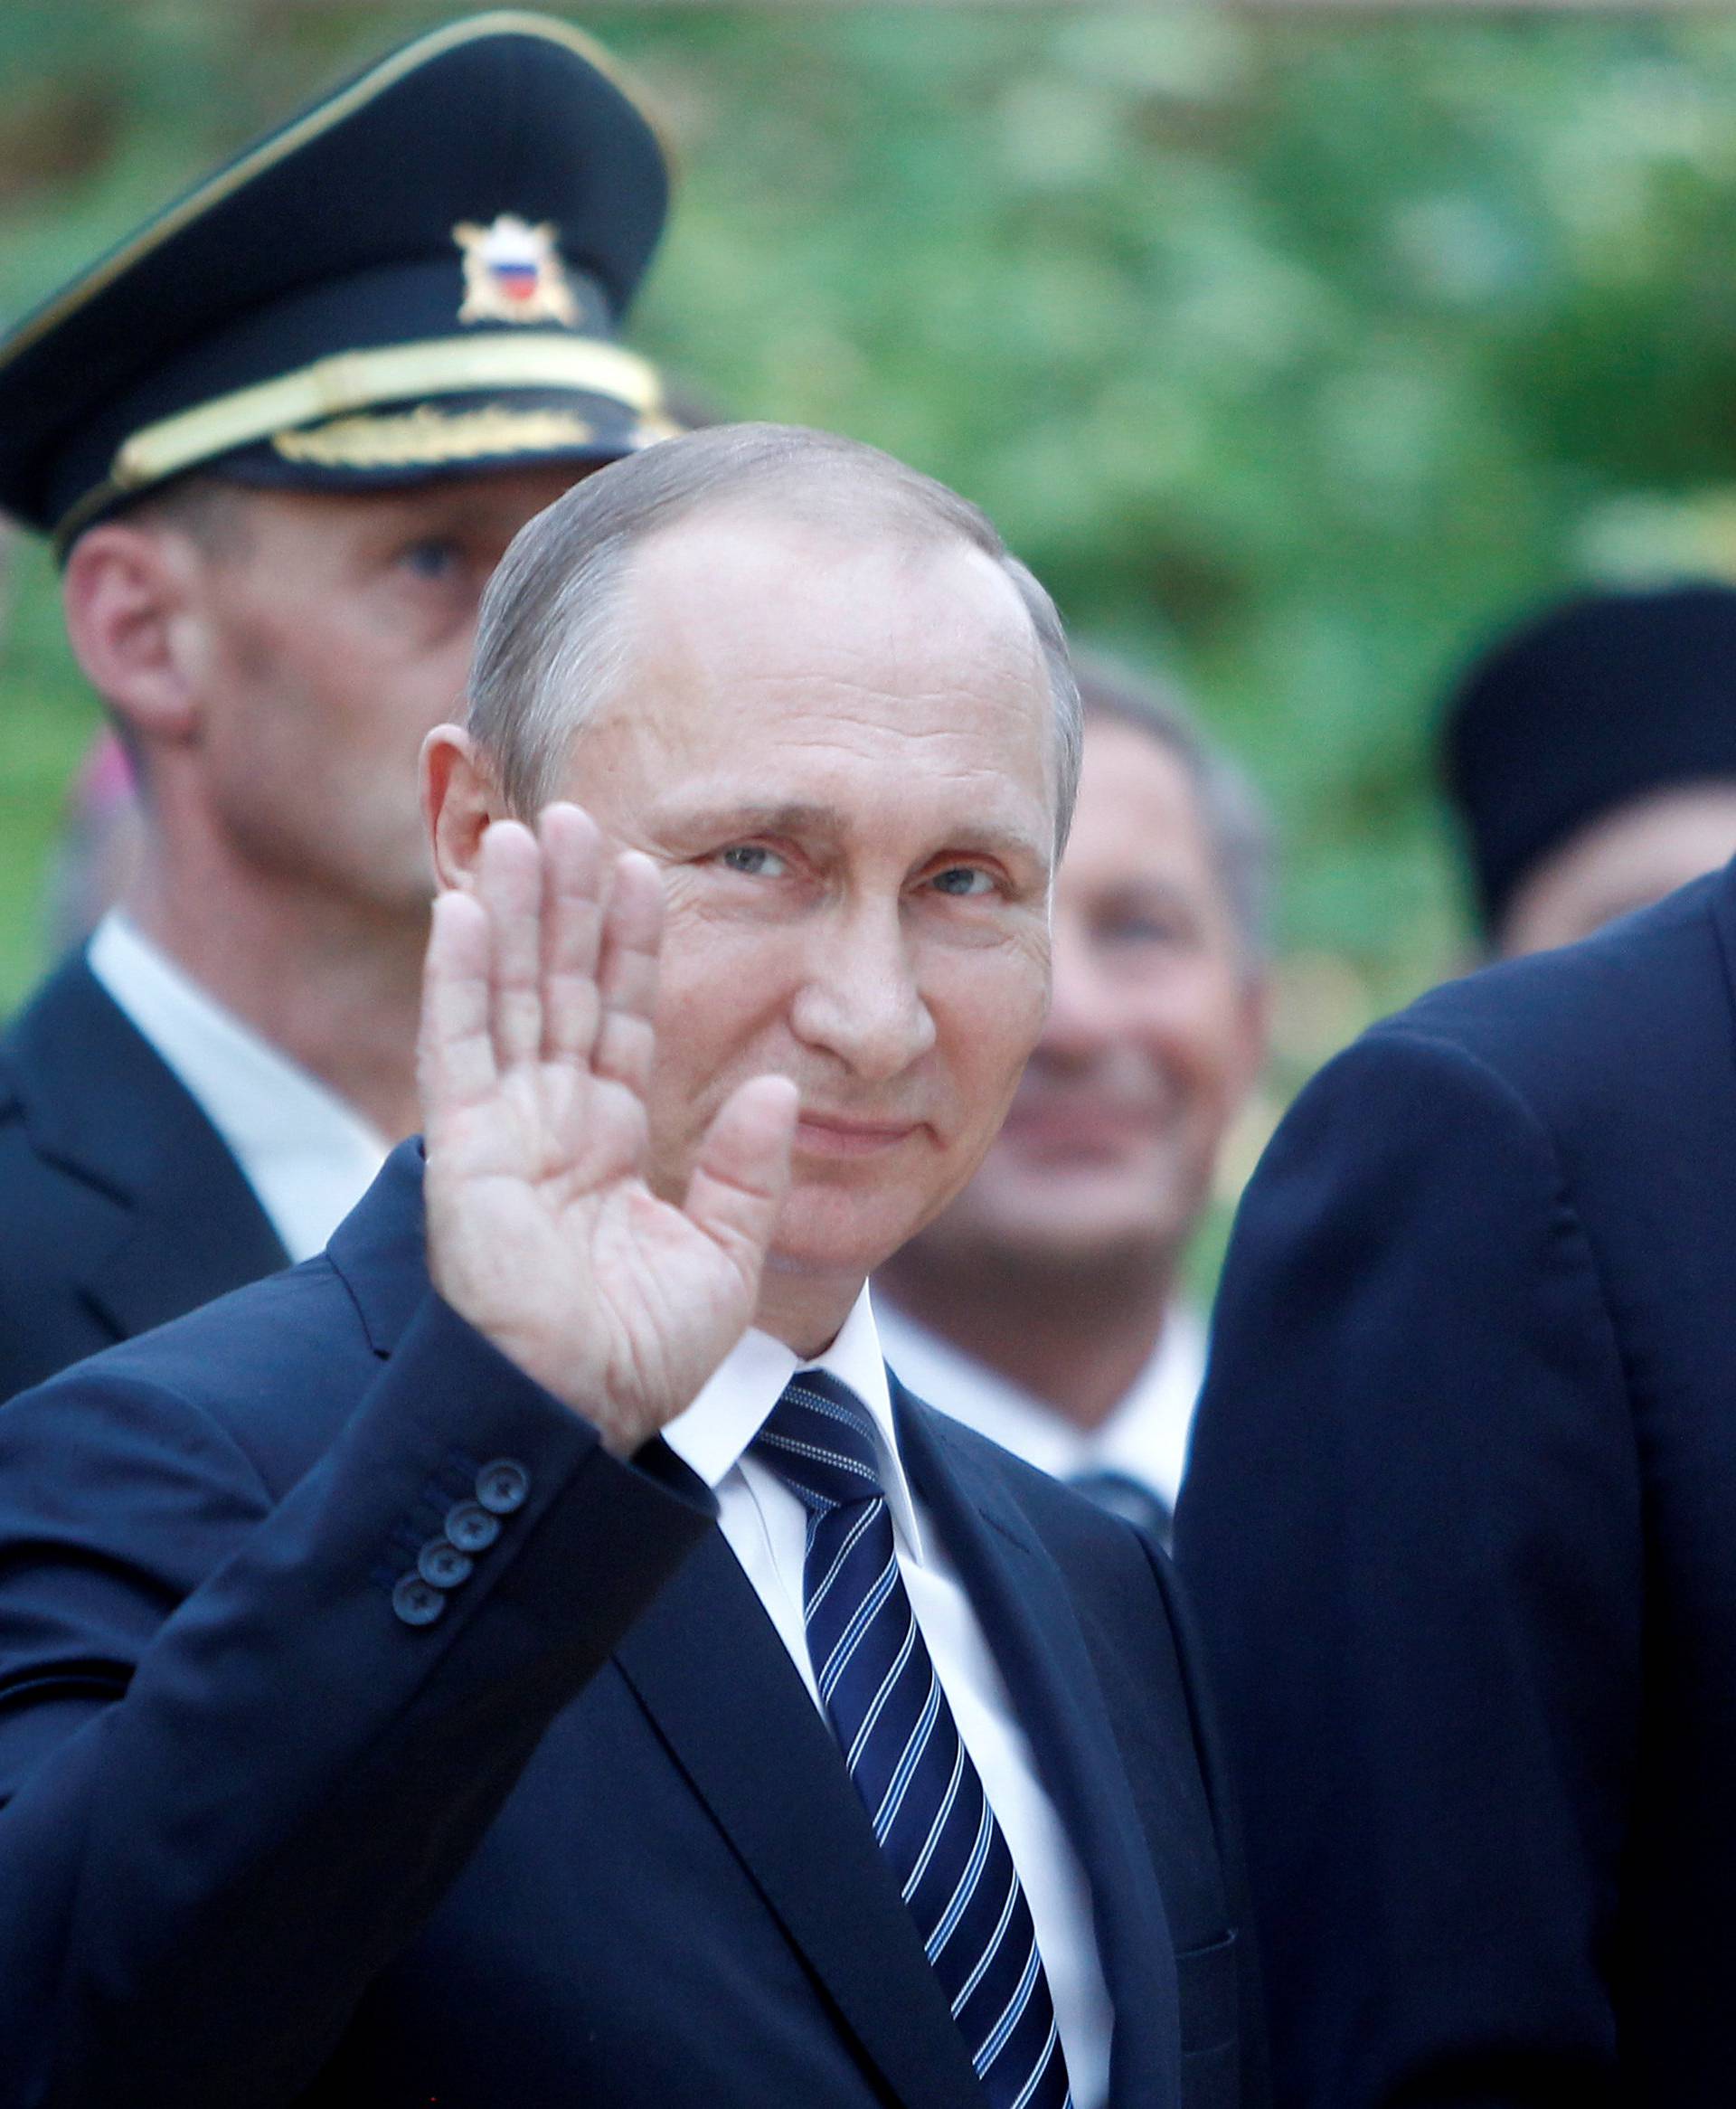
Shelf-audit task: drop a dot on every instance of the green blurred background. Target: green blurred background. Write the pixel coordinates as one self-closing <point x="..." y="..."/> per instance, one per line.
<point x="1294" y="349"/>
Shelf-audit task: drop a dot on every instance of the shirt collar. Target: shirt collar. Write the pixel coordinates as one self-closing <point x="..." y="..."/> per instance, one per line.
<point x="712" y="1434"/>
<point x="275" y="1118"/>
<point x="1146" y="1435"/>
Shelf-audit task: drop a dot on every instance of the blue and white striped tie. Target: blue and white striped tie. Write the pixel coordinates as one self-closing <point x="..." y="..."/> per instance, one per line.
<point x="903" y="1751"/>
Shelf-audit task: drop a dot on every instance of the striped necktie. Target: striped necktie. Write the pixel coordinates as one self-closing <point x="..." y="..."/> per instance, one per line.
<point x="903" y="1751"/>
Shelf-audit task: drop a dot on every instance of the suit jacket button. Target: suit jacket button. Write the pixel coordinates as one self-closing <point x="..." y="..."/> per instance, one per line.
<point x="470" y="1526"/>
<point x="416" y="1601"/>
<point x="441" y="1563"/>
<point x="503" y="1486"/>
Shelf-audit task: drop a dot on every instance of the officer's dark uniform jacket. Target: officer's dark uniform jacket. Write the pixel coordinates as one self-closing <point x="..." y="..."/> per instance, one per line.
<point x="120" y="1204"/>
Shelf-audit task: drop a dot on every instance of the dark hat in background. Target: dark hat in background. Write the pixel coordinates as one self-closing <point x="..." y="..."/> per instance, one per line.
<point x="1600" y="700"/>
<point x="422" y="274"/>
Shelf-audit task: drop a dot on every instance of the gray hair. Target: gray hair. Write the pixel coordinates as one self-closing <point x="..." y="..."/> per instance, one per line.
<point x="1238" y="829"/>
<point x="550" y="646"/>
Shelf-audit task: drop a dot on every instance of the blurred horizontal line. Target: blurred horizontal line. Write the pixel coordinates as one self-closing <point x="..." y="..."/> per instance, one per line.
<point x="1716" y="10"/>
<point x="1724" y="10"/>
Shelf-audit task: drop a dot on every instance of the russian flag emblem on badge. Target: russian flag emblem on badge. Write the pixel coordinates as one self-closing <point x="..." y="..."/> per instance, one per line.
<point x="512" y="273"/>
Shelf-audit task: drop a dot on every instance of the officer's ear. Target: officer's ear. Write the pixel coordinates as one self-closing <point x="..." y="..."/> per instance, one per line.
<point x="460" y="798"/>
<point x="131" y="613"/>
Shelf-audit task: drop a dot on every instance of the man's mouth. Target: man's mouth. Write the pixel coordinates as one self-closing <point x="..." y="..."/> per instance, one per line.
<point x="1082" y="1128"/>
<point x="836" y="1135"/>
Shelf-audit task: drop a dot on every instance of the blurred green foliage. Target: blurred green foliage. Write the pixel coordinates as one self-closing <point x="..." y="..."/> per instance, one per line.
<point x="1295" y="351"/>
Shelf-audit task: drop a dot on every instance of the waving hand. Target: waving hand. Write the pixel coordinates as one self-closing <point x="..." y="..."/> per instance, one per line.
<point x="536" y="1047"/>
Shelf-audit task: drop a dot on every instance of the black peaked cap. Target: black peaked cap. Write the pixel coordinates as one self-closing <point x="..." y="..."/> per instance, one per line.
<point x="455" y="233"/>
<point x="1599" y="700"/>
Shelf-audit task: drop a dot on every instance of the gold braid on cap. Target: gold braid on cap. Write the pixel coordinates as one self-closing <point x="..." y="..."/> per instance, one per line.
<point x="345" y="383"/>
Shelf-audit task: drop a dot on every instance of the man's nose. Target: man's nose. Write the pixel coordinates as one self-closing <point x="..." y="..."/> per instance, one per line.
<point x="860" y="999"/>
<point x="1081" y="1018"/>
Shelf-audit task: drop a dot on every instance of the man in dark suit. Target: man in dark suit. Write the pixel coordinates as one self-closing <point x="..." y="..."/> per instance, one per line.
<point x="281" y="437"/>
<point x="1461" y="1525"/>
<point x="539" y="1656"/>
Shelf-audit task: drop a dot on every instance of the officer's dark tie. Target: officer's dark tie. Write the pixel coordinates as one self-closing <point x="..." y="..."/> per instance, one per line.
<point x="903" y="1751"/>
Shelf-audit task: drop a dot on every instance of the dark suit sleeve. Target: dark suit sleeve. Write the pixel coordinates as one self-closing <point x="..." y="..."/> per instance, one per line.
<point x="1254" y="2090"/>
<point x="237" y="1781"/>
<point x="1412" y="1529"/>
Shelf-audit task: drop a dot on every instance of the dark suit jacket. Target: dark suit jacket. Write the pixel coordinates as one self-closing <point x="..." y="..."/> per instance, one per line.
<point x="1461" y="1525"/>
<point x="119" y="1204"/>
<point x="581" y="1839"/>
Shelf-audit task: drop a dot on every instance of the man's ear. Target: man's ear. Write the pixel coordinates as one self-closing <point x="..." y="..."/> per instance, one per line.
<point x="131" y="614"/>
<point x="460" y="800"/>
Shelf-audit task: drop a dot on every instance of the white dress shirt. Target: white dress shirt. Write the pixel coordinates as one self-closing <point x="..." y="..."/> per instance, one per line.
<point x="307" y="1156"/>
<point x="1145" y="1437"/>
<point x="767" y="1529"/>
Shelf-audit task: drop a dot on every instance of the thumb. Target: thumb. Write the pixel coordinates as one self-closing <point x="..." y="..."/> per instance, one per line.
<point x="742" y="1172"/>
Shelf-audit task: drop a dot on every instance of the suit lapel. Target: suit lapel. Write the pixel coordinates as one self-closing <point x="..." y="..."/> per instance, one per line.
<point x="193" y="1236"/>
<point x="1028" y="1618"/>
<point x="99" y="1101"/>
<point x="710" y="1670"/>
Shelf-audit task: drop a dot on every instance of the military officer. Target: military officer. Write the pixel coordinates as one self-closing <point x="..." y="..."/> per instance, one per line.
<point x="280" y="437"/>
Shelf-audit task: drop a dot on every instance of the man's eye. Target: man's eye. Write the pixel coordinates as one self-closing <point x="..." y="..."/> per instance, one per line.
<point x="433" y="559"/>
<point x="1146" y="930"/>
<point x="754" y="860"/>
<point x="962" y="881"/>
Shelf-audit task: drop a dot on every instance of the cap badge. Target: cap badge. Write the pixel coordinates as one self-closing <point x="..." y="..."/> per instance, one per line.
<point x="512" y="273"/>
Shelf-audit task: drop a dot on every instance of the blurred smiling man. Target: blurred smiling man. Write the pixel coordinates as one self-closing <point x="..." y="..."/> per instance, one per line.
<point x="281" y="437"/>
<point x="1043" y="1306"/>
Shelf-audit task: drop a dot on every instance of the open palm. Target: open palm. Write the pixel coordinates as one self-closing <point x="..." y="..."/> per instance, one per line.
<point x="535" y="1052"/>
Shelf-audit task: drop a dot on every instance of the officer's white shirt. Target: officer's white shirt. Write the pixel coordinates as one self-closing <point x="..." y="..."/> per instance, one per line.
<point x="1145" y="1437"/>
<point x="308" y="1155"/>
<point x="767" y="1529"/>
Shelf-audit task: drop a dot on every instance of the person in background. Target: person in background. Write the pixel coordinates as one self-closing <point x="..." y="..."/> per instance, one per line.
<point x="1460" y="1523"/>
<point x="1044" y="1306"/>
<point x="96" y="851"/>
<point x="1590" y="756"/>
<point x="281" y="437"/>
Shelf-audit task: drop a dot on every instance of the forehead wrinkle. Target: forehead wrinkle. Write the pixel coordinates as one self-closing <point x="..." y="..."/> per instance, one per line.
<point x="750" y="815"/>
<point x="966" y="694"/>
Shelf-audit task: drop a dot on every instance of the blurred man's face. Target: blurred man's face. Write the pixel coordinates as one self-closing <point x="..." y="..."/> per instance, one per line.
<point x="1155" y="1034"/>
<point x="1624" y="860"/>
<point x="336" y="631"/>
<point x="839" y="754"/>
